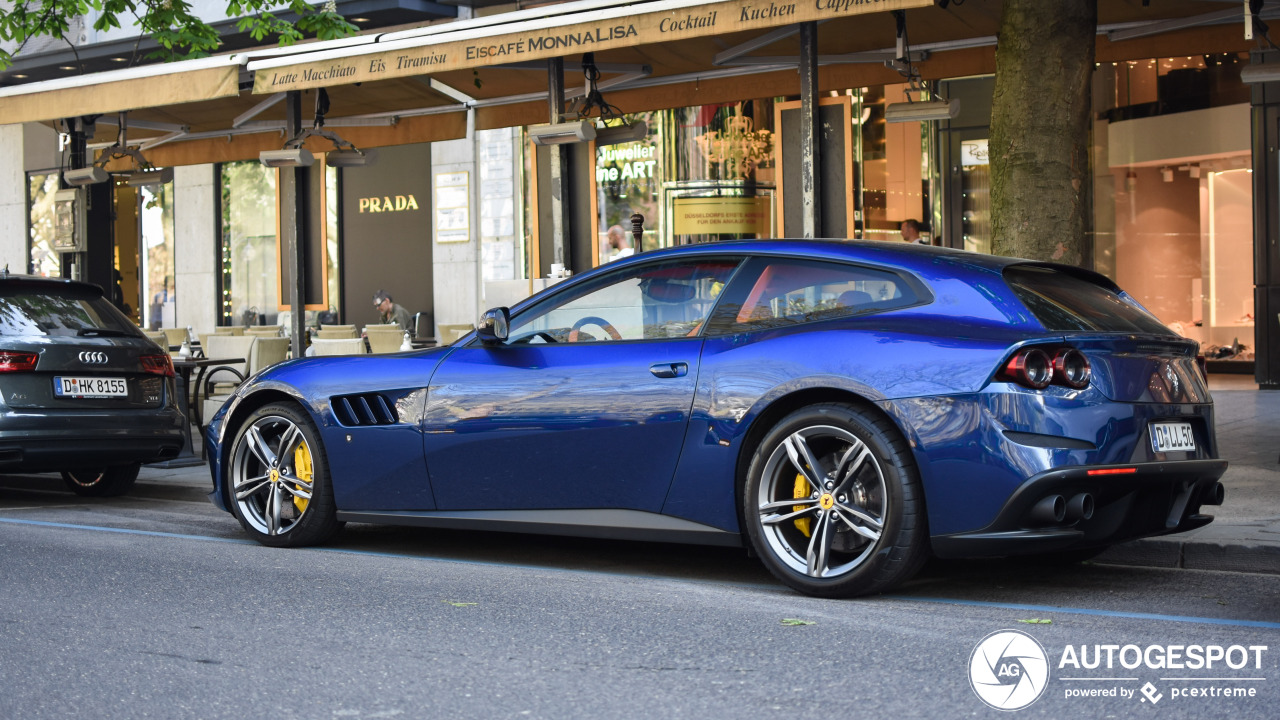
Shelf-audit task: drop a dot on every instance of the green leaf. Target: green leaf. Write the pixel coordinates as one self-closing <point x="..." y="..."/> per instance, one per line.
<point x="459" y="604"/>
<point x="797" y="621"/>
<point x="1037" y="621"/>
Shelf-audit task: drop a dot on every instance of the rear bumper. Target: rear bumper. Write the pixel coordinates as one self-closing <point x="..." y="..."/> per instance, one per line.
<point x="1158" y="498"/>
<point x="44" y="443"/>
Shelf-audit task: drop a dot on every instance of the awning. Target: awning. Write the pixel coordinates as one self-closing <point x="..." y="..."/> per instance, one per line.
<point x="120" y="90"/>
<point x="594" y="31"/>
<point x="677" y="57"/>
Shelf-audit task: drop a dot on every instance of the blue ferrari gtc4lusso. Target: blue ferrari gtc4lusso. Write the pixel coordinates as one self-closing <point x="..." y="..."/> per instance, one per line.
<point x="845" y="408"/>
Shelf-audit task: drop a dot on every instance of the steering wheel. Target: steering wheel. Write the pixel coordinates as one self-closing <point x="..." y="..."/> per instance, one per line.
<point x="593" y="320"/>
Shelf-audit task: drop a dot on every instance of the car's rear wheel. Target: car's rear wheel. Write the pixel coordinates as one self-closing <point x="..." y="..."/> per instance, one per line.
<point x="102" y="482"/>
<point x="279" y="479"/>
<point x="833" y="505"/>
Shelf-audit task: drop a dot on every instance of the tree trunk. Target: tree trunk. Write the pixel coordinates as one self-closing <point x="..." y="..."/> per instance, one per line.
<point x="1040" y="129"/>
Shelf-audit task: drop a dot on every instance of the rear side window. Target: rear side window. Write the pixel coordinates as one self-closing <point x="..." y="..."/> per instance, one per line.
<point x="777" y="292"/>
<point x="58" y="312"/>
<point x="1065" y="302"/>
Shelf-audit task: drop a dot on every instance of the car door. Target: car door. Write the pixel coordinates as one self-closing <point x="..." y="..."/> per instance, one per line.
<point x="585" y="405"/>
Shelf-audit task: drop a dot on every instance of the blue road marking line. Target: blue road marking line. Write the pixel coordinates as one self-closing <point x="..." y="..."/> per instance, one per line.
<point x="906" y="598"/>
<point x="1086" y="611"/>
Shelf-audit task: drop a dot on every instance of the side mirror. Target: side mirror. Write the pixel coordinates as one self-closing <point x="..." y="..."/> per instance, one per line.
<point x="494" y="325"/>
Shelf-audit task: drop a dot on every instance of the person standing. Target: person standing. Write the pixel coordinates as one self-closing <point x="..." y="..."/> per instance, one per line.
<point x="619" y="244"/>
<point x="911" y="232"/>
<point x="392" y="312"/>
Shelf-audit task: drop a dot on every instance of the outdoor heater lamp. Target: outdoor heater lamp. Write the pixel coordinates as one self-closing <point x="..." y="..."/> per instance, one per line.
<point x="286" y="158"/>
<point x="561" y="133"/>
<point x="629" y="132"/>
<point x="922" y="111"/>
<point x="85" y="176"/>
<point x="351" y="158"/>
<point x="1260" y="73"/>
<point x="154" y="176"/>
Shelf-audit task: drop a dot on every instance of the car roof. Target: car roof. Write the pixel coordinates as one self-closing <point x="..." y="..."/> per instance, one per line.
<point x="904" y="255"/>
<point x="35" y="283"/>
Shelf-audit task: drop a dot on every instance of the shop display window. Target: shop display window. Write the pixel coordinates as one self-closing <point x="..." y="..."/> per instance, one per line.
<point x="45" y="261"/>
<point x="156" y="257"/>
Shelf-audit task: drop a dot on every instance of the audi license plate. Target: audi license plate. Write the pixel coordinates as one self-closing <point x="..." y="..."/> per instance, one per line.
<point x="1172" y="436"/>
<point x="90" y="387"/>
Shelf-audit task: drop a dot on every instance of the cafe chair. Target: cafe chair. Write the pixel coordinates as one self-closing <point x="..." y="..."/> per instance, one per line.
<point x="337" y="332"/>
<point x="174" y="336"/>
<point x="158" y="338"/>
<point x="221" y="379"/>
<point x="384" y="338"/>
<point x="337" y="346"/>
<point x="449" y="334"/>
<point x="267" y="331"/>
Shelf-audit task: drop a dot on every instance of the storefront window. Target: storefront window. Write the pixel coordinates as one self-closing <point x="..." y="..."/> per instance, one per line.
<point x="45" y="261"/>
<point x="717" y="174"/>
<point x="1173" y="205"/>
<point x="156" y="257"/>
<point x="249" y="274"/>
<point x="501" y="239"/>
<point x="628" y="181"/>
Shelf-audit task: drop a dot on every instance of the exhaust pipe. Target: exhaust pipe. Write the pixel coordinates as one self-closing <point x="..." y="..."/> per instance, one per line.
<point x="1080" y="507"/>
<point x="1051" y="509"/>
<point x="1214" y="494"/>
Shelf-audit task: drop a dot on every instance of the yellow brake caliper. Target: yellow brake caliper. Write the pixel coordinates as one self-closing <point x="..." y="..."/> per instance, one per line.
<point x="302" y="467"/>
<point x="801" y="491"/>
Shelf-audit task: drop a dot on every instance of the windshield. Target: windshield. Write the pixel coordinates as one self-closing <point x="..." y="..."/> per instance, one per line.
<point x="67" y="312"/>
<point x="1065" y="302"/>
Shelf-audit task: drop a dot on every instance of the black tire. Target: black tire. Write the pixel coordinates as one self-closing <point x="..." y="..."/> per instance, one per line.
<point x="102" y="482"/>
<point x="273" y="497"/>
<point x="868" y="511"/>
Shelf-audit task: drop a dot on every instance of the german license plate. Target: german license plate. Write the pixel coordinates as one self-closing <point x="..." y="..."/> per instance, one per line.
<point x="90" y="387"/>
<point x="1172" y="436"/>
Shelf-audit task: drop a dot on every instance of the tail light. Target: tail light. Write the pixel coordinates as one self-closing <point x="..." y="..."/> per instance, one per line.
<point x="1034" y="368"/>
<point x="1071" y="368"/>
<point x="17" y="361"/>
<point x="1030" y="367"/>
<point x="1203" y="364"/>
<point x="157" y="365"/>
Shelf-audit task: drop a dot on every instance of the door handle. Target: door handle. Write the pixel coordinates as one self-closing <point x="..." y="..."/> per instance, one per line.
<point x="669" y="370"/>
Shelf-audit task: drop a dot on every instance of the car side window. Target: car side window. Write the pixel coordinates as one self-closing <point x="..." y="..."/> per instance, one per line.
<point x="645" y="302"/>
<point x="778" y="292"/>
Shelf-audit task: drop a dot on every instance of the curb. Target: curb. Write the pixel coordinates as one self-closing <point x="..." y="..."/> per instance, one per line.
<point x="1192" y="555"/>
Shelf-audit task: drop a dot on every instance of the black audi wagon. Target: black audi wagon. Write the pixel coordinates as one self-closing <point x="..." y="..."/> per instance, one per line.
<point x="82" y="390"/>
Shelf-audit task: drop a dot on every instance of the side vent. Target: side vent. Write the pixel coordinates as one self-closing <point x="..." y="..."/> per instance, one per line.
<point x="363" y="410"/>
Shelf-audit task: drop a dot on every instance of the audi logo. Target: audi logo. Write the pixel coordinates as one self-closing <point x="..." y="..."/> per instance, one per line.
<point x="91" y="357"/>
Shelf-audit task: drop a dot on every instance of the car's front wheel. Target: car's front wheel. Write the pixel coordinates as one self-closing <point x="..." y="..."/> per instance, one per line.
<point x="102" y="482"/>
<point x="833" y="505"/>
<point x="279" y="479"/>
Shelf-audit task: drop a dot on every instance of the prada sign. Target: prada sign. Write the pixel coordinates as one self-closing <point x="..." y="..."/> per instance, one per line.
<point x="615" y="28"/>
<point x="387" y="203"/>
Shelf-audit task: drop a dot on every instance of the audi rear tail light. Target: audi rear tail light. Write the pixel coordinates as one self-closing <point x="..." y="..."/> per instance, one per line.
<point x="1203" y="363"/>
<point x="1071" y="368"/>
<point x="17" y="361"/>
<point x="1029" y="367"/>
<point x="157" y="365"/>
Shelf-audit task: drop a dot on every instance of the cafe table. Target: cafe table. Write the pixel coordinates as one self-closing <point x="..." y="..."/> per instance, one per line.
<point x="183" y="368"/>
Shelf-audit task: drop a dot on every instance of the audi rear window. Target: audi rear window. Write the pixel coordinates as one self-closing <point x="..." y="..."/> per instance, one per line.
<point x="1064" y="302"/>
<point x="66" y="312"/>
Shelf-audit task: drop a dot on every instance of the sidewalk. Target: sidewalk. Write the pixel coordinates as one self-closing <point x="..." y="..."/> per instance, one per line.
<point x="1245" y="533"/>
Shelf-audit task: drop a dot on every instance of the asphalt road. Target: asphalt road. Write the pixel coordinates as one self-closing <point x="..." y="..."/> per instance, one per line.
<point x="157" y="607"/>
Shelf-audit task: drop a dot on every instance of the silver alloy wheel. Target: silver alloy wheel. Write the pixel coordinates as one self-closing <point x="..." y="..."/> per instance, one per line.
<point x="272" y="475"/>
<point x="842" y="496"/>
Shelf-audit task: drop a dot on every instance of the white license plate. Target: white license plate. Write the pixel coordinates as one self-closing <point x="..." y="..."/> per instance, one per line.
<point x="1172" y="436"/>
<point x="90" y="387"/>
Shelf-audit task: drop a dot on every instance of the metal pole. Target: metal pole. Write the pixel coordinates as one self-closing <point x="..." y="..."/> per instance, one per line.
<point x="559" y="180"/>
<point x="293" y="212"/>
<point x="810" y="165"/>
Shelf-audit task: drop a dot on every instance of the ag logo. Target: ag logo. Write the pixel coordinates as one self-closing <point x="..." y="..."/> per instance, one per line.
<point x="1008" y="670"/>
